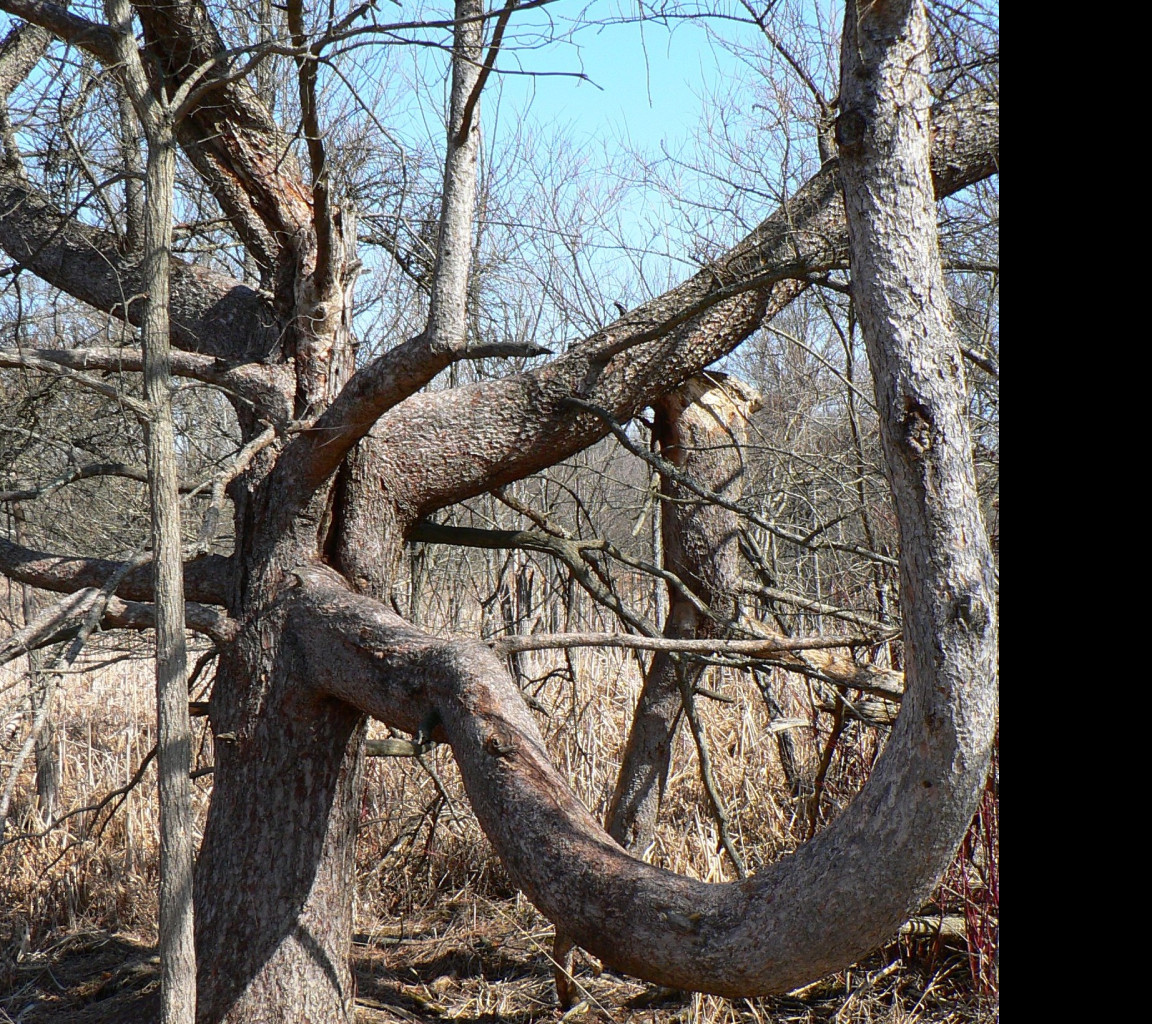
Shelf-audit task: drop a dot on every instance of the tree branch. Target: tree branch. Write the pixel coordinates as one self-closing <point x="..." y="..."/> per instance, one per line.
<point x="96" y="38"/>
<point x="207" y="579"/>
<point x="31" y="492"/>
<point x="666" y="468"/>
<point x="211" y="313"/>
<point x="804" y="656"/>
<point x="266" y="388"/>
<point x="20" y="52"/>
<point x="310" y="126"/>
<point x="523" y="419"/>
<point x="33" y="361"/>
<point x="230" y="136"/>
<point x="768" y="933"/>
<point x="485" y="71"/>
<point x="665" y="341"/>
<point x="766" y="647"/>
<point x="91" y="618"/>
<point x="60" y="623"/>
<point x="821" y="608"/>
<point x="571" y="552"/>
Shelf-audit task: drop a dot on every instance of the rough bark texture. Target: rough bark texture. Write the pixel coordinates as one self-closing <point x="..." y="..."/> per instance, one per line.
<point x="174" y="732"/>
<point x="321" y="515"/>
<point x="701" y="428"/>
<point x="274" y="912"/>
<point x="173" y="727"/>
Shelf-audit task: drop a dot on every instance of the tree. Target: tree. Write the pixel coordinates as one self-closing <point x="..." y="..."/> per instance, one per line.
<point x="340" y="463"/>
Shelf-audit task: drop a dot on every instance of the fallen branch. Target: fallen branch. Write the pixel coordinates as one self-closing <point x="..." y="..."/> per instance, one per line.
<point x="950" y="928"/>
<point x="769" y="645"/>
<point x="807" y="656"/>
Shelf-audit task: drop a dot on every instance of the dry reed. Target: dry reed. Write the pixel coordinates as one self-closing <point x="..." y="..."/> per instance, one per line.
<point x="440" y="930"/>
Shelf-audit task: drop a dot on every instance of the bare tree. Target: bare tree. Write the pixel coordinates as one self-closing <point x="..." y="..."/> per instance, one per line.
<point x="340" y="463"/>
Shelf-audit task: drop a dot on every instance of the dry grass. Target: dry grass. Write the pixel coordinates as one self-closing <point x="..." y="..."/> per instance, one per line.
<point x="441" y="932"/>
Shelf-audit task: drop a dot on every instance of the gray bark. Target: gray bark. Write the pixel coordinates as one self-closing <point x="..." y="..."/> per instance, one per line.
<point x="447" y="312"/>
<point x="174" y="729"/>
<point x="173" y="725"/>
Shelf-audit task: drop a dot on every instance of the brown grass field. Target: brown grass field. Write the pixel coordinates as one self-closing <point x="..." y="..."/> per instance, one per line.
<point x="441" y="934"/>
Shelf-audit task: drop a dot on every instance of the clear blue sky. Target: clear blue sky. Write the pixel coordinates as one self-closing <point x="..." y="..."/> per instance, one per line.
<point x="645" y="83"/>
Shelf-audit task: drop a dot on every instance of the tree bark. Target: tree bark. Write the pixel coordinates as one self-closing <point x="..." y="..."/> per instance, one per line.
<point x="274" y="910"/>
<point x="174" y="729"/>
<point x="701" y="428"/>
<point x="173" y="726"/>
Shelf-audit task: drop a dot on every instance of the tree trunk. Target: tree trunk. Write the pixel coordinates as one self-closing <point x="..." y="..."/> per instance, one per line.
<point x="275" y="873"/>
<point x="173" y="727"/>
<point x="273" y="889"/>
<point x="174" y="730"/>
<point x="701" y="428"/>
<point x="47" y="742"/>
<point x="276" y="868"/>
<point x="277" y="887"/>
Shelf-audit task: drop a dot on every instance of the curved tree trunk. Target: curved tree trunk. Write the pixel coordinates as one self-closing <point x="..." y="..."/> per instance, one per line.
<point x="851" y="887"/>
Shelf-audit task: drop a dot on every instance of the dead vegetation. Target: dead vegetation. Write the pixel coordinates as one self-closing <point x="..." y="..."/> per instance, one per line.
<point x="441" y="934"/>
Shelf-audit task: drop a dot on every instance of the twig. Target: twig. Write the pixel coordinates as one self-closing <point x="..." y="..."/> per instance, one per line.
<point x="838" y="723"/>
<point x="797" y="601"/>
<point x="869" y="983"/>
<point x="667" y="469"/>
<point x="228" y="473"/>
<point x="97" y="807"/>
<point x="688" y="699"/>
<point x="775" y="645"/>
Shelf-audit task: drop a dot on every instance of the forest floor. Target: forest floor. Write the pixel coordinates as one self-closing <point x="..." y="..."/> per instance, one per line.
<point x="456" y="967"/>
<point x="441" y="933"/>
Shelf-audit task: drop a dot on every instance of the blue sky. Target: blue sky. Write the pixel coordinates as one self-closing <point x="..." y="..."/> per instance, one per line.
<point x="645" y="92"/>
<point x="645" y="80"/>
